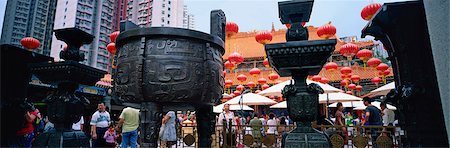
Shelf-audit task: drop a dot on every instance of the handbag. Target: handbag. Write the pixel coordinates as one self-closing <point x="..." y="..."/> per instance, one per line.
<point x="161" y="130"/>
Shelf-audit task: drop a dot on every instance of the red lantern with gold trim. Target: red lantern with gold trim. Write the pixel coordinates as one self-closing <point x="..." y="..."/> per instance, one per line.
<point x="348" y="50"/>
<point x="251" y="84"/>
<point x="373" y="62"/>
<point x="262" y="81"/>
<point x="382" y="67"/>
<point x="113" y="36"/>
<point x="376" y="80"/>
<point x="111" y="47"/>
<point x="236" y="58"/>
<point x="240" y="87"/>
<point x="231" y="29"/>
<point x="228" y="83"/>
<point x="355" y="78"/>
<point x="368" y="11"/>
<point x="326" y="31"/>
<point x="352" y="86"/>
<point x="241" y="77"/>
<point x="263" y="37"/>
<point x="273" y="76"/>
<point x="358" y="87"/>
<point x="344" y="82"/>
<point x="30" y="43"/>
<point x="266" y="62"/>
<point x="346" y="70"/>
<point x="255" y="72"/>
<point x="228" y="65"/>
<point x="364" y="55"/>
<point x="331" y="66"/>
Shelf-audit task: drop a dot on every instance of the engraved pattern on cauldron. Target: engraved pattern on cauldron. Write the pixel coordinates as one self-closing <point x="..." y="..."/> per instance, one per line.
<point x="128" y="74"/>
<point x="303" y="108"/>
<point x="169" y="69"/>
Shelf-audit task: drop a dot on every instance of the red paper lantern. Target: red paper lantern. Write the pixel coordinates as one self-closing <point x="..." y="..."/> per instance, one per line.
<point x="370" y="10"/>
<point x="346" y="70"/>
<point x="254" y="72"/>
<point x="113" y="36"/>
<point x="351" y="86"/>
<point x="349" y="50"/>
<point x="278" y="82"/>
<point x="273" y="76"/>
<point x="251" y="84"/>
<point x="358" y="87"/>
<point x="316" y="78"/>
<point x="376" y="80"/>
<point x="257" y="91"/>
<point x="231" y="29"/>
<point x="364" y="55"/>
<point x="235" y="58"/>
<point x="265" y="86"/>
<point x="262" y="81"/>
<point x="236" y="93"/>
<point x="373" y="62"/>
<point x="228" y="65"/>
<point x="382" y="67"/>
<point x="111" y="47"/>
<point x="355" y="78"/>
<point x="326" y="31"/>
<point x="324" y="80"/>
<point x="263" y="37"/>
<point x="224" y="73"/>
<point x="331" y="66"/>
<point x="386" y="72"/>
<point x="349" y="92"/>
<point x="30" y="43"/>
<point x="266" y="62"/>
<point x="242" y="77"/>
<point x="228" y="83"/>
<point x="240" y="87"/>
<point x="344" y="82"/>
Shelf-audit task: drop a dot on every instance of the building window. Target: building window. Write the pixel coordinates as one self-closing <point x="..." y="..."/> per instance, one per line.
<point x="64" y="24"/>
<point x="168" y="8"/>
<point x="67" y="2"/>
<point x="64" y="16"/>
<point x="163" y="5"/>
<point x="65" y="10"/>
<point x="168" y="15"/>
<point x="162" y="12"/>
<point x="168" y="2"/>
<point x="168" y="22"/>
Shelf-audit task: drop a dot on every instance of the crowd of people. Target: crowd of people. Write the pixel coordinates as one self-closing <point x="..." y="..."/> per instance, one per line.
<point x="231" y="128"/>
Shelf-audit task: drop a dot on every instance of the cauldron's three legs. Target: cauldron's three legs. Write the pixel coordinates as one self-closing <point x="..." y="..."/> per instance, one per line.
<point x="150" y="118"/>
<point x="205" y="124"/>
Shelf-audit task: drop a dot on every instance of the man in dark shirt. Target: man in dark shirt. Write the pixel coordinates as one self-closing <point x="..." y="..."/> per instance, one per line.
<point x="373" y="116"/>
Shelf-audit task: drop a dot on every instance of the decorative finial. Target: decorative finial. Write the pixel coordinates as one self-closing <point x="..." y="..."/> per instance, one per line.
<point x="273" y="27"/>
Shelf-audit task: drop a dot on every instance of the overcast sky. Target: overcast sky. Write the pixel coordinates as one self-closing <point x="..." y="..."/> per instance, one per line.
<point x="259" y="14"/>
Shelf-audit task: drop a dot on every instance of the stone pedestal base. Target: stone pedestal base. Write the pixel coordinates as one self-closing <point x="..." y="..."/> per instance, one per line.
<point x="62" y="139"/>
<point x="304" y="137"/>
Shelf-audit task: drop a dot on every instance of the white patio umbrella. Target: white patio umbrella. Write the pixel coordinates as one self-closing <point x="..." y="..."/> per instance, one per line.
<point x="251" y="99"/>
<point x="276" y="89"/>
<point x="360" y="105"/>
<point x="382" y="91"/>
<point x="280" y="105"/>
<point x="226" y="96"/>
<point x="333" y="97"/>
<point x="219" y="108"/>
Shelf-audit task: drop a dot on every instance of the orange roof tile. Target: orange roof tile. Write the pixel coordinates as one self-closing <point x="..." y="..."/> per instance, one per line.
<point x="367" y="73"/>
<point x="246" y="45"/>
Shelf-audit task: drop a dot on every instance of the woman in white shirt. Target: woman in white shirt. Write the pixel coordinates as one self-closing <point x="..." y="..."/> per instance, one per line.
<point x="272" y="123"/>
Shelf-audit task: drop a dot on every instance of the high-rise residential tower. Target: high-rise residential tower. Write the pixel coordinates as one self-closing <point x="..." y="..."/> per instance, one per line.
<point x="152" y="13"/>
<point x="92" y="16"/>
<point x="29" y="18"/>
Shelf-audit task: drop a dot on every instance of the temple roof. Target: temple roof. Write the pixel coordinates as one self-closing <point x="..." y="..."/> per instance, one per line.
<point x="245" y="43"/>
